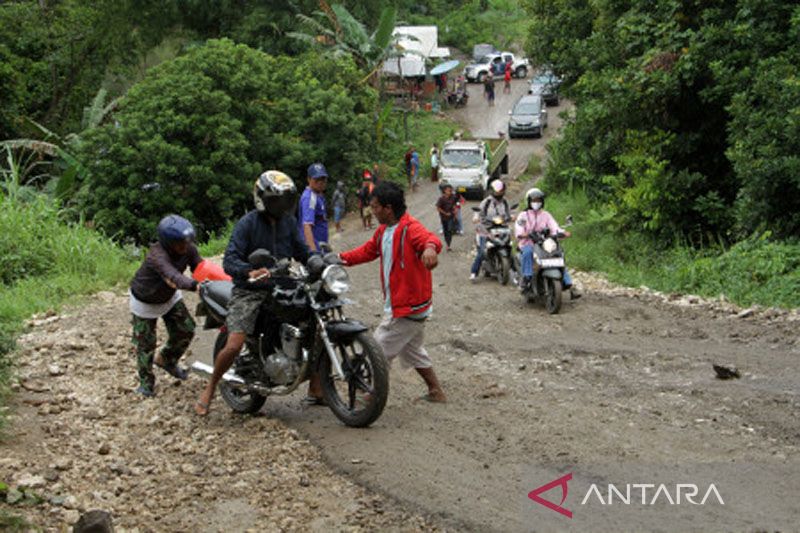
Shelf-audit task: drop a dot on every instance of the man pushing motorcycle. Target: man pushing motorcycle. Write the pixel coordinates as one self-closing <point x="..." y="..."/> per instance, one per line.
<point x="535" y="219"/>
<point x="270" y="226"/>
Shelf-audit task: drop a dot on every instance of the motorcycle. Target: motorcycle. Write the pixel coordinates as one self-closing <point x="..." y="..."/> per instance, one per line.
<point x="458" y="98"/>
<point x="548" y="269"/>
<point x="497" y="257"/>
<point x="301" y="329"/>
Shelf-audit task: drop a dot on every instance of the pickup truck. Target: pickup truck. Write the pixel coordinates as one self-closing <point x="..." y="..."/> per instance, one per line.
<point x="471" y="165"/>
<point x="496" y="64"/>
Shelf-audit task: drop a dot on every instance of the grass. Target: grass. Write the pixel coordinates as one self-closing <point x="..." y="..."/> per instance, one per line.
<point x="755" y="271"/>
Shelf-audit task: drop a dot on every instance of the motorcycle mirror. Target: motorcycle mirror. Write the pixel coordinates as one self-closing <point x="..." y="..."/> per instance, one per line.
<point x="476" y="208"/>
<point x="324" y="248"/>
<point x="569" y="220"/>
<point x="513" y="206"/>
<point x="261" y="258"/>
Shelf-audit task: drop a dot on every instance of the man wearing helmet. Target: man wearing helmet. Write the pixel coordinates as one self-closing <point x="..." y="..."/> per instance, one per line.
<point x="535" y="218"/>
<point x="494" y="205"/>
<point x="271" y="226"/>
<point x="154" y="293"/>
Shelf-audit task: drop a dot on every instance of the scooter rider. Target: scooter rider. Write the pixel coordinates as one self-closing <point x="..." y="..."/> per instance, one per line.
<point x="494" y="205"/>
<point x="271" y="226"/>
<point x="535" y="218"/>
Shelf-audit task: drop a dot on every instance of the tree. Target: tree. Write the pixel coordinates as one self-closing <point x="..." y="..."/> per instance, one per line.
<point x="206" y="124"/>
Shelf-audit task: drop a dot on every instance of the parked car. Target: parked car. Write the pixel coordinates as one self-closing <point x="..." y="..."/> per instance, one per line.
<point x="496" y="65"/>
<point x="527" y="117"/>
<point x="546" y="84"/>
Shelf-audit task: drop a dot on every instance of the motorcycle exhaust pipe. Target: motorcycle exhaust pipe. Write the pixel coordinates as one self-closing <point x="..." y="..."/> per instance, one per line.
<point x="229" y="376"/>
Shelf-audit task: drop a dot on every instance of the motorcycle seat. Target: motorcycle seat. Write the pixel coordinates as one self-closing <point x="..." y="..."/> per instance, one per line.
<point x="220" y="292"/>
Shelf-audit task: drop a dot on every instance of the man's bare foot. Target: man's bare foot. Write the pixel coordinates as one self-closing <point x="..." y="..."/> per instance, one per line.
<point x="435" y="396"/>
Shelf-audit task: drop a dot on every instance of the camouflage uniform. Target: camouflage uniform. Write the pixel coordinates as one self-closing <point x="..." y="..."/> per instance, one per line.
<point x="180" y="327"/>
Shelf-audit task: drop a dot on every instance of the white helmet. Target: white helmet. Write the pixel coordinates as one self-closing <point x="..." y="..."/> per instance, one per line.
<point x="498" y="188"/>
<point x="532" y="195"/>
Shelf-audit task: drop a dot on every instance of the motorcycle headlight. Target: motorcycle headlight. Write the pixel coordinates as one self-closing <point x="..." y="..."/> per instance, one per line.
<point x="497" y="221"/>
<point x="336" y="280"/>
<point x="550" y="246"/>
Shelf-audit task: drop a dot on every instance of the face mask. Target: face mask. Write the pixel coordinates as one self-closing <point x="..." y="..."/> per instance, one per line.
<point x="536" y="206"/>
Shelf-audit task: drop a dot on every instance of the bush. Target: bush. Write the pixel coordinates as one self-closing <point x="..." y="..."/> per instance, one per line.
<point x="206" y="124"/>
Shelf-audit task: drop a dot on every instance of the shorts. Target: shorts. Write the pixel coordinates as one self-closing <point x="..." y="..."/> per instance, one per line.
<point x="243" y="309"/>
<point x="403" y="338"/>
<point x="338" y="213"/>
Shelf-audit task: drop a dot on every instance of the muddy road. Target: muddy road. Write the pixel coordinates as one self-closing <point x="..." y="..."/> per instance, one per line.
<point x="618" y="378"/>
<point x="618" y="388"/>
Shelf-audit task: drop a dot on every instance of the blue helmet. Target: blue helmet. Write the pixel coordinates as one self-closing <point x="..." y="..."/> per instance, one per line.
<point x="173" y="229"/>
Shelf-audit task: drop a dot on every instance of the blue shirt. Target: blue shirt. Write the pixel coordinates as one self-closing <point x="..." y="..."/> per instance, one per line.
<point x="387" y="244"/>
<point x="312" y="211"/>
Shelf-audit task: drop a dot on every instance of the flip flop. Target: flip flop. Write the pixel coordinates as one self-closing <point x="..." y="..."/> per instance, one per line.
<point x="313" y="400"/>
<point x="200" y="408"/>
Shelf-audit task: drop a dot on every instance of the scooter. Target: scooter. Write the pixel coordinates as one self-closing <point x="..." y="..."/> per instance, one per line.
<point x="497" y="257"/>
<point x="548" y="269"/>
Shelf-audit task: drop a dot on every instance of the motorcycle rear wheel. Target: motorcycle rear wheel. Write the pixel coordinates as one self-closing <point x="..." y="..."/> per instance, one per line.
<point x="552" y="298"/>
<point x="359" y="399"/>
<point x="246" y="403"/>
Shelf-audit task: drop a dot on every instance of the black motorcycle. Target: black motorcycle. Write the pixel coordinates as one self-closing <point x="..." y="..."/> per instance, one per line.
<point x="548" y="269"/>
<point x="300" y="329"/>
<point x="497" y="257"/>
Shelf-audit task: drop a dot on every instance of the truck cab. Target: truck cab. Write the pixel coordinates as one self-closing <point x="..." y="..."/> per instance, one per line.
<point x="470" y="165"/>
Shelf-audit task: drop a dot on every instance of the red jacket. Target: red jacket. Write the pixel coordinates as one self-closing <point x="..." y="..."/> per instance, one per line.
<point x="410" y="282"/>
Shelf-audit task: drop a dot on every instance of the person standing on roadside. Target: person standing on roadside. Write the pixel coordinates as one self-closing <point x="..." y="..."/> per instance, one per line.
<point x="339" y="205"/>
<point x="435" y="163"/>
<point x="364" y="194"/>
<point x="408" y="252"/>
<point x="409" y="154"/>
<point x="446" y="205"/>
<point x="488" y="88"/>
<point x="312" y="216"/>
<point x="414" y="169"/>
<point x="507" y="79"/>
<point x="154" y="294"/>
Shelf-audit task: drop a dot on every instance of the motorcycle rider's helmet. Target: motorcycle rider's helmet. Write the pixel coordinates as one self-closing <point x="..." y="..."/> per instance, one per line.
<point x="275" y="194"/>
<point x="173" y="229"/>
<point x="498" y="188"/>
<point x="534" y="195"/>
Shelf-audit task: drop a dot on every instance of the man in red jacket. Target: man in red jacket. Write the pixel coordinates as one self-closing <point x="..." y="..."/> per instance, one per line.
<point x="408" y="252"/>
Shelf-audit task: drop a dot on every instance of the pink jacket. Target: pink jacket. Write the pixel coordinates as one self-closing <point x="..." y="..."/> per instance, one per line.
<point x="530" y="220"/>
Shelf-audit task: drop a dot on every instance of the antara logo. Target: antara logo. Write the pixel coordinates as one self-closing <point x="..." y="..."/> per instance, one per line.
<point x="632" y="494"/>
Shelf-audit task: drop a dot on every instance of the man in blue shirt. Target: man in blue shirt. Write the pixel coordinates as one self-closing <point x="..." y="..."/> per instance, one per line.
<point x="312" y="217"/>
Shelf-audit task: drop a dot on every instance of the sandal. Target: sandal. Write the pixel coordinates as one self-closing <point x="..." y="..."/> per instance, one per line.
<point x="314" y="400"/>
<point x="200" y="408"/>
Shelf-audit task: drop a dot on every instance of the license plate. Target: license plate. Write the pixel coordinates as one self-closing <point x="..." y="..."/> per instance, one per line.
<point x="552" y="262"/>
<point x="462" y="189"/>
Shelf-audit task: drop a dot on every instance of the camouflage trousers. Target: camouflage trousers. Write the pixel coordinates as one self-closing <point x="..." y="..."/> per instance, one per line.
<point x="180" y="329"/>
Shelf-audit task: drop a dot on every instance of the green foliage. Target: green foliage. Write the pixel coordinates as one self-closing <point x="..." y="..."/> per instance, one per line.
<point x="205" y="125"/>
<point x="757" y="270"/>
<point x="657" y="86"/>
<point x="502" y="23"/>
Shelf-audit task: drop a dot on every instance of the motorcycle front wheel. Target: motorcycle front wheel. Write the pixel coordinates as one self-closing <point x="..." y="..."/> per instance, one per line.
<point x="552" y="298"/>
<point x="359" y="399"/>
<point x="503" y="270"/>
<point x="246" y="403"/>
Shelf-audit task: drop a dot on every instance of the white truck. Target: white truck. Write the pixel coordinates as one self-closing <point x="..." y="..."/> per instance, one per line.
<point x="496" y="65"/>
<point x="469" y="166"/>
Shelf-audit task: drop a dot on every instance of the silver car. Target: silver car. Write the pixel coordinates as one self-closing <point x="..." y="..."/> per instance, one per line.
<point x="528" y="117"/>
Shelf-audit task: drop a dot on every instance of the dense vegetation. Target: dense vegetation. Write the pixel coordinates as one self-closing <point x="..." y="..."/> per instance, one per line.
<point x="687" y="118"/>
